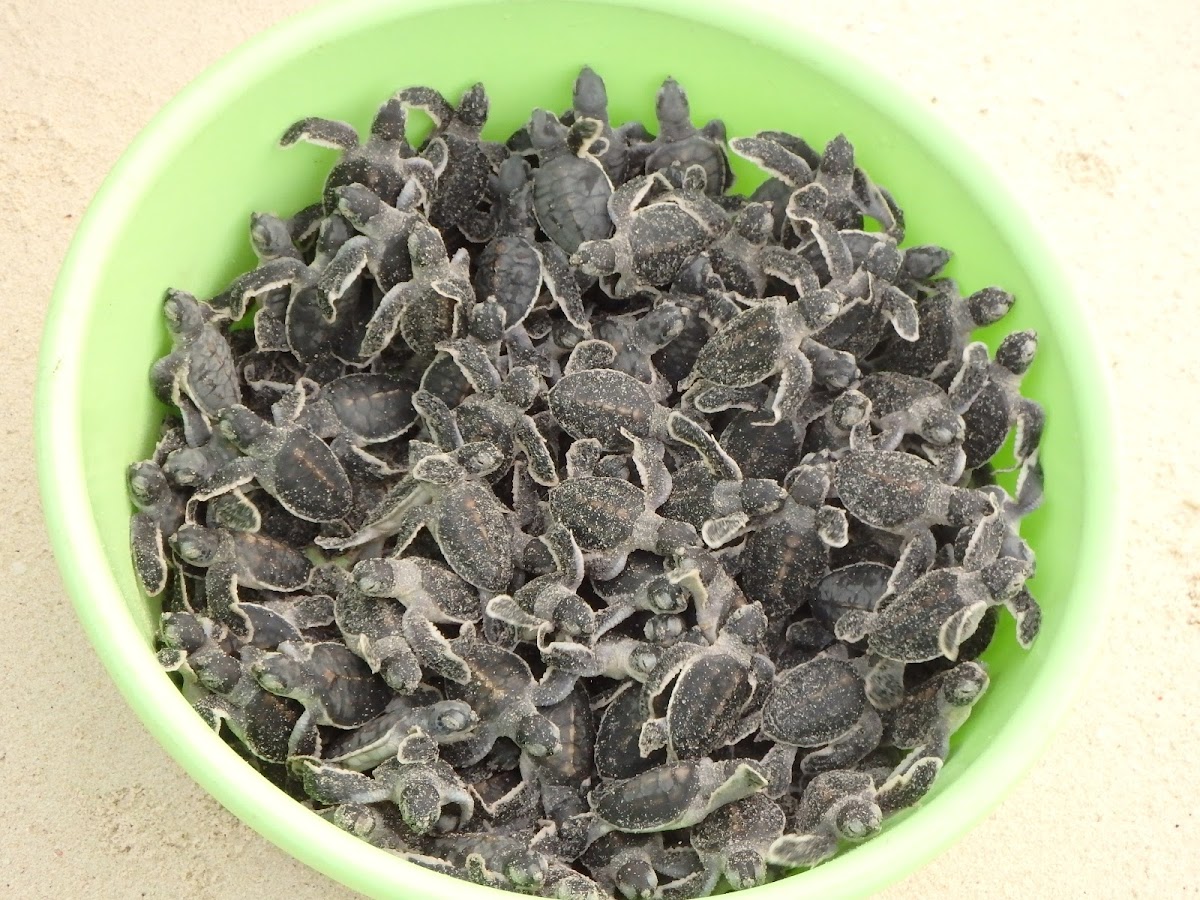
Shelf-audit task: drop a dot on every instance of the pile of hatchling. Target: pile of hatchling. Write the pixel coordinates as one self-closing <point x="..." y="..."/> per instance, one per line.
<point x="550" y="516"/>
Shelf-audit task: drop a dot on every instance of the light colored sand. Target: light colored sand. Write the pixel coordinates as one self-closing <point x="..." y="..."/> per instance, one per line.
<point x="1087" y="109"/>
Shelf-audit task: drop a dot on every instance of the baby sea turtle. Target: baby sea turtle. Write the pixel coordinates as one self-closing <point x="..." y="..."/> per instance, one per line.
<point x="746" y="260"/>
<point x="605" y="404"/>
<point x="445" y="493"/>
<point x="902" y="405"/>
<point x="658" y="231"/>
<point x="817" y="704"/>
<point x="637" y="339"/>
<point x="931" y="619"/>
<point x="763" y="341"/>
<point x="858" y="586"/>
<point x="200" y="364"/>
<point x="502" y="692"/>
<point x="335" y="687"/>
<point x="514" y="266"/>
<point x="711" y="494"/>
<point x="708" y="705"/>
<point x="495" y="860"/>
<point x="788" y="553"/>
<point x="643" y="585"/>
<point x="589" y="100"/>
<point x="836" y="806"/>
<point x="873" y="302"/>
<point x="422" y="786"/>
<point x="945" y="326"/>
<point x="629" y="866"/>
<point x="160" y="510"/>
<point x="444" y="721"/>
<point x="461" y="160"/>
<point x="680" y="143"/>
<point x="570" y="187"/>
<point x="672" y="796"/>
<point x="762" y="449"/>
<point x="375" y="164"/>
<point x="289" y="462"/>
<point x="426" y="309"/>
<point x="993" y="404"/>
<point x="398" y="639"/>
<point x="498" y="410"/>
<point x="611" y="517"/>
<point x="714" y="592"/>
<point x="929" y="715"/>
<point x="735" y="843"/>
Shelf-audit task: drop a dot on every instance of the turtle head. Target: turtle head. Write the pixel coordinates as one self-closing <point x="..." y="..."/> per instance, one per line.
<point x="991" y="304"/>
<point x="596" y="257"/>
<point x="748" y="624"/>
<point x="590" y="97"/>
<point x="420" y="804"/>
<point x="808" y="485"/>
<point x="673" y="111"/>
<point x="537" y="736"/>
<point x="745" y="868"/>
<point x="527" y="870"/>
<point x="818" y="308"/>
<point x="665" y="596"/>
<point x="964" y="684"/>
<point x="856" y="819"/>
<point x="279" y="675"/>
<point x="545" y="131"/>
<point x="761" y="496"/>
<point x="473" y="107"/>
<point x="269" y="236"/>
<point x="967" y="507"/>
<point x="183" y="631"/>
<point x="755" y="223"/>
<point x="513" y="175"/>
<point x="390" y="122"/>
<point x="378" y="577"/>
<point x="942" y="426"/>
<point x="183" y="313"/>
<point x="643" y="660"/>
<point x="187" y="466"/>
<point x="240" y="426"/>
<point x="664" y="629"/>
<point x="573" y="617"/>
<point x="452" y="720"/>
<point x="195" y="544"/>
<point x="637" y="880"/>
<point x="1016" y="352"/>
<point x="850" y="409"/>
<point x="358" y="204"/>
<point x="357" y="818"/>
<point x="838" y="158"/>
<point x="673" y="535"/>
<point x="1005" y="577"/>
<point x="147" y="483"/>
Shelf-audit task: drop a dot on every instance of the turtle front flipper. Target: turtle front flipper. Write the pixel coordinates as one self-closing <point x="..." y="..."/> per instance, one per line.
<point x="911" y="781"/>
<point x="433" y="649"/>
<point x="149" y="555"/>
<point x="796" y="851"/>
<point x="332" y="784"/>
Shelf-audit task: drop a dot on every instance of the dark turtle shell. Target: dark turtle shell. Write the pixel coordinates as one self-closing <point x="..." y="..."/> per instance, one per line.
<point x="266" y="724"/>
<point x="601" y="513"/>
<point x="706" y="705"/>
<point x="480" y="419"/>
<point x="308" y="478"/>
<point x="499" y="680"/>
<point x="890" y="392"/>
<point x="664" y="239"/>
<point x="858" y="586"/>
<point x="691" y="497"/>
<point x="755" y="820"/>
<point x="744" y="352"/>
<point x="212" y="376"/>
<point x="908" y="628"/>
<point x="359" y="615"/>
<point x="827" y="789"/>
<point x="814" y="703"/>
<point x="598" y="403"/>
<point x="474" y="535"/>
<point x="510" y="270"/>
<point x="760" y="449"/>
<point x="371" y="407"/>
<point x="574" y="763"/>
<point x="783" y="561"/>
<point x="617" y="735"/>
<point x="463" y="183"/>
<point x="650" y="801"/>
<point x="270" y="564"/>
<point x="935" y="344"/>
<point x="884" y="489"/>
<point x="988" y="421"/>
<point x="570" y="199"/>
<point x="857" y="330"/>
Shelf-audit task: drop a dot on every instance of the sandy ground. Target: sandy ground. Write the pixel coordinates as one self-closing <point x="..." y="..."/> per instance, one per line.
<point x="1086" y="108"/>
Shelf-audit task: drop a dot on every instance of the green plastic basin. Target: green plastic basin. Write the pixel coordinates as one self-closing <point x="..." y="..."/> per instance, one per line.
<point x="174" y="212"/>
